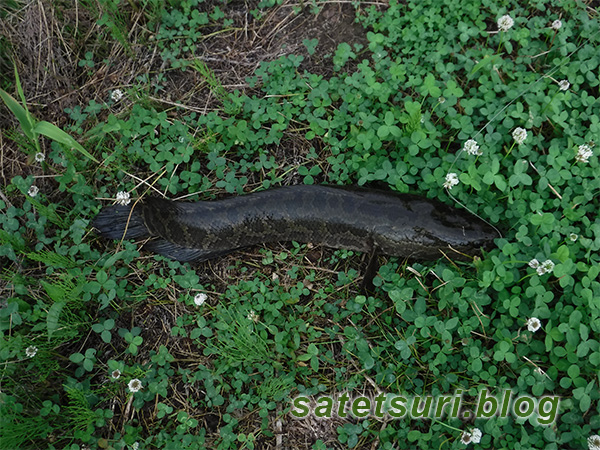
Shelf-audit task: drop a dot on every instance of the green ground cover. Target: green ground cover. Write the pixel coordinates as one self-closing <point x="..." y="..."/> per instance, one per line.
<point x="107" y="346"/>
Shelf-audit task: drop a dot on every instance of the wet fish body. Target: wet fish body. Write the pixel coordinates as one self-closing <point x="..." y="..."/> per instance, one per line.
<point x="365" y="220"/>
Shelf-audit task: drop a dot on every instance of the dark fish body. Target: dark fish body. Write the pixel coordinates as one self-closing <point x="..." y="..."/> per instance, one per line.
<point x="395" y="224"/>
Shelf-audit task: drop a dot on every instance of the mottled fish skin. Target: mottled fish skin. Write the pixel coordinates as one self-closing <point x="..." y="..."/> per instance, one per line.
<point x="365" y="220"/>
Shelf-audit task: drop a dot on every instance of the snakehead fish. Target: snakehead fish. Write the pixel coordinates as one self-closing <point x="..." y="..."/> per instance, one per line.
<point x="365" y="220"/>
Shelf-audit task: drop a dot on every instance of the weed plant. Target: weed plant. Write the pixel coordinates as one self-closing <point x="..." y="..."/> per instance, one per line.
<point x="107" y="346"/>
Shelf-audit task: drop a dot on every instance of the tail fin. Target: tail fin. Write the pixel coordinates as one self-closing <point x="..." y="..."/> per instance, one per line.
<point x="120" y="222"/>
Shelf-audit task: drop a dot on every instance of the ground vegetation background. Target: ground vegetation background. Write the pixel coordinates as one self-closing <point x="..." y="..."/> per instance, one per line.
<point x="489" y="104"/>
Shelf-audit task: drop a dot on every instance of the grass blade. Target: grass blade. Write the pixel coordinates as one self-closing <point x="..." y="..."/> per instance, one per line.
<point x="20" y="89"/>
<point x="22" y="115"/>
<point x="58" y="135"/>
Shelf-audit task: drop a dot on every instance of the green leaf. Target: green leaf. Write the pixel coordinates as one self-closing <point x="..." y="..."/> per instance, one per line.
<point x="400" y="298"/>
<point x="76" y="358"/>
<point x="111" y="261"/>
<point x="452" y="323"/>
<point x="383" y="131"/>
<point x="542" y="219"/>
<point x="585" y="403"/>
<point x="53" y="132"/>
<point x="430" y="86"/>
<point x="403" y="347"/>
<point x="500" y="182"/>
<point x="106" y="336"/>
<point x="563" y="251"/>
<point x="342" y="54"/>
<point x="55" y="292"/>
<point x="413" y="435"/>
<point x="312" y="349"/>
<point x="389" y="118"/>
<point x="504" y="346"/>
<point x="22" y="115"/>
<point x="314" y="363"/>
<point x="88" y="364"/>
<point x="93" y="286"/>
<point x="486" y="61"/>
<point x="574" y="371"/>
<point x="102" y="277"/>
<point x="310" y="45"/>
<point x="53" y="316"/>
<point x="20" y="87"/>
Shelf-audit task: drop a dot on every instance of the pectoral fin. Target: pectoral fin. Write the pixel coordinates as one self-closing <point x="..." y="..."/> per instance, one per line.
<point x="370" y="271"/>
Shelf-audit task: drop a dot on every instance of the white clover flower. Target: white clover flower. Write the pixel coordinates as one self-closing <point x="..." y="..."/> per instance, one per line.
<point x="116" y="95"/>
<point x="115" y="374"/>
<point x="200" y="298"/>
<point x="542" y="268"/>
<point x="533" y="324"/>
<point x="594" y="442"/>
<point x="472" y="148"/>
<point x="135" y="445"/>
<point x="563" y="85"/>
<point x="441" y="100"/>
<point x="519" y="135"/>
<point x="181" y="139"/>
<point x="584" y="152"/>
<point x="556" y="25"/>
<point x="476" y="435"/>
<point x="252" y="316"/>
<point x="466" y="438"/>
<point x="573" y="237"/>
<point x="123" y="198"/>
<point x="31" y="351"/>
<point x="33" y="191"/>
<point x="451" y="180"/>
<point x="134" y="385"/>
<point x="548" y="266"/>
<point x="40" y="157"/>
<point x="505" y="23"/>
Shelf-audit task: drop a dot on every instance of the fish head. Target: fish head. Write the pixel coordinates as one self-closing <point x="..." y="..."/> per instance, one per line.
<point x="454" y="229"/>
<point x="424" y="228"/>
